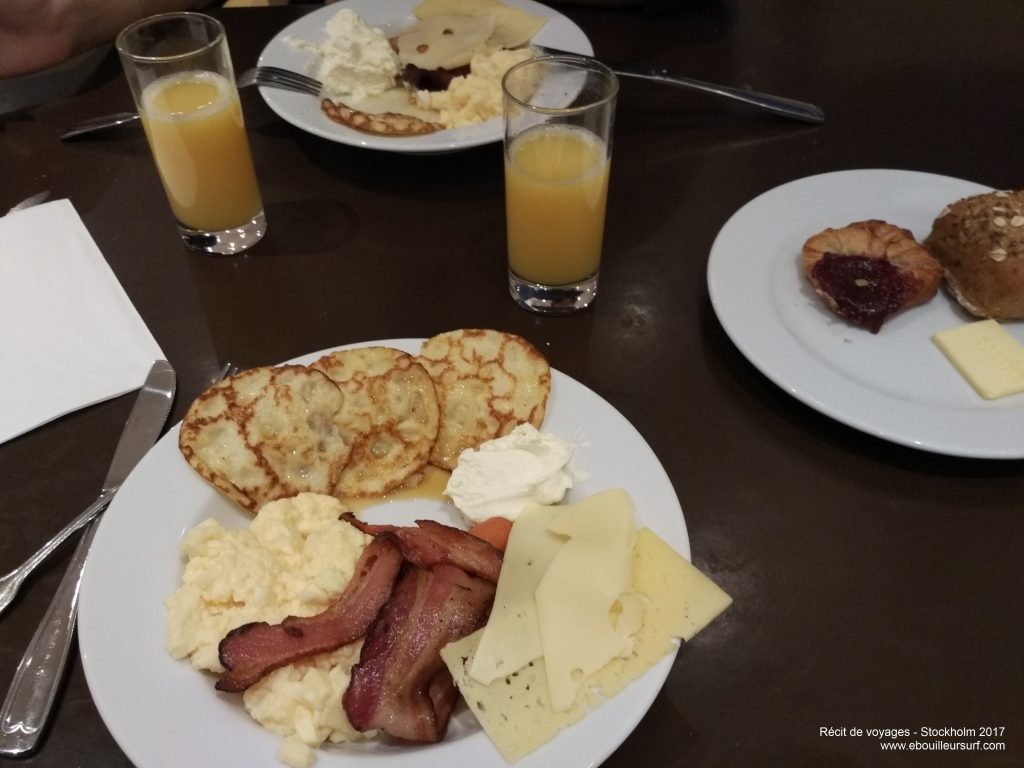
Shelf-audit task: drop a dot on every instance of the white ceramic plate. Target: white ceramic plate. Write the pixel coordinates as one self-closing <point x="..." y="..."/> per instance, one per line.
<point x="896" y="385"/>
<point x="392" y="16"/>
<point x="163" y="714"/>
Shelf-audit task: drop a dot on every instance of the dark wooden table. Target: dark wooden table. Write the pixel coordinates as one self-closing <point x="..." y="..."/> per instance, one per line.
<point x="875" y="586"/>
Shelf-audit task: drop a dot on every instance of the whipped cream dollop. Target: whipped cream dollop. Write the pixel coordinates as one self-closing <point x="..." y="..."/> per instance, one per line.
<point x="506" y="474"/>
<point x="354" y="60"/>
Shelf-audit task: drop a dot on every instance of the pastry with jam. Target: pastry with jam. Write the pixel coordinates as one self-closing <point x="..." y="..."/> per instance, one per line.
<point x="868" y="271"/>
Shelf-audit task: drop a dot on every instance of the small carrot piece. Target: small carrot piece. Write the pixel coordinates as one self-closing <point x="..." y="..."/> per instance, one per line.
<point x="493" y="530"/>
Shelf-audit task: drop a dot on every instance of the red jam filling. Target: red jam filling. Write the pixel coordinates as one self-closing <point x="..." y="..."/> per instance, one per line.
<point x="866" y="291"/>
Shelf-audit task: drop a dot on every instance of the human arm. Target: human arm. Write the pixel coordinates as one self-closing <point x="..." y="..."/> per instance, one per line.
<point x="36" y="34"/>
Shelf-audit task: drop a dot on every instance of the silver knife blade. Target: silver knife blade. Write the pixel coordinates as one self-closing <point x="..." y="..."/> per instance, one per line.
<point x="28" y="202"/>
<point x="27" y="706"/>
<point x="144" y="423"/>
<point x="779" y="105"/>
<point x="99" y="124"/>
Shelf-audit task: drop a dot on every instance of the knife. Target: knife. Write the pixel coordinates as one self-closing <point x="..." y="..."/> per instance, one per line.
<point x="28" y="202"/>
<point x="798" y="110"/>
<point x="26" y="708"/>
<point x="245" y="80"/>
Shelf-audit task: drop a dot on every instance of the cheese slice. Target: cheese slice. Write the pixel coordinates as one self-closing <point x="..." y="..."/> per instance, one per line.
<point x="682" y="599"/>
<point x="627" y="617"/>
<point x="428" y="8"/>
<point x="445" y="41"/>
<point x="512" y="635"/>
<point x="583" y="583"/>
<point x="513" y="26"/>
<point x="680" y="602"/>
<point x="516" y="711"/>
<point x="986" y="355"/>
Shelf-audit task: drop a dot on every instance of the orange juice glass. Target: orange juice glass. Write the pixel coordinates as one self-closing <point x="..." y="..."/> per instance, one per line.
<point x="559" y="112"/>
<point x="179" y="69"/>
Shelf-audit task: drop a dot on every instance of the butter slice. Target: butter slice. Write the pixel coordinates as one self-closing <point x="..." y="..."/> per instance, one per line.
<point x="986" y="355"/>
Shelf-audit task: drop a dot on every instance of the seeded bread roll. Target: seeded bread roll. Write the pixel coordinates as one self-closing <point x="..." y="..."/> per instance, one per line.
<point x="979" y="241"/>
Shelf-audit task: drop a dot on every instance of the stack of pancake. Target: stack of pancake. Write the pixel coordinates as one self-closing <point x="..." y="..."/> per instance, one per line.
<point x="362" y="422"/>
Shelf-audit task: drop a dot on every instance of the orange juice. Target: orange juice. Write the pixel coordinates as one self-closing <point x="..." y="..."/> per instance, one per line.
<point x="194" y="124"/>
<point x="556" y="185"/>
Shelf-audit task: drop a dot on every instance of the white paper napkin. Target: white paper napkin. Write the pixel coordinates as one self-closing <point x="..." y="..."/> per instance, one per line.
<point x="69" y="335"/>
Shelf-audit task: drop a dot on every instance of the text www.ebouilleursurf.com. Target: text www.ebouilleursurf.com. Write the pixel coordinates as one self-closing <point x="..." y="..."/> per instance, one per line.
<point x="926" y="738"/>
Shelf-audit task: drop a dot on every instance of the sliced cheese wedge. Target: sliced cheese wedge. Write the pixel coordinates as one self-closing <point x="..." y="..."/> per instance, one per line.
<point x="445" y="41"/>
<point x="679" y="602"/>
<point x="513" y="26"/>
<point x="511" y="638"/>
<point x="582" y="585"/>
<point x="516" y="711"/>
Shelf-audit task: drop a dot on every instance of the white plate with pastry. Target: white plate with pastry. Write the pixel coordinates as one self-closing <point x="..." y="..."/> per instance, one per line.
<point x="303" y="111"/>
<point x="896" y="385"/>
<point x="164" y="714"/>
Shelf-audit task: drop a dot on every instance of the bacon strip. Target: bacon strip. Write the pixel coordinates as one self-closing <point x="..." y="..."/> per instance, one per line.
<point x="256" y="649"/>
<point x="400" y="684"/>
<point x="432" y="543"/>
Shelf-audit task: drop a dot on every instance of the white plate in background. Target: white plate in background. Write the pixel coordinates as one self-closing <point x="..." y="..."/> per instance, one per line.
<point x="896" y="385"/>
<point x="392" y="16"/>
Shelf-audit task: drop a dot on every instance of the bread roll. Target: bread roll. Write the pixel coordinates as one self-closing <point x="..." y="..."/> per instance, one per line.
<point x="979" y="241"/>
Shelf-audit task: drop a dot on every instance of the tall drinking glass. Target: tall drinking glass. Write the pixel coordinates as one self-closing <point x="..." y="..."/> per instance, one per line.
<point x="559" y="113"/>
<point x="180" y="73"/>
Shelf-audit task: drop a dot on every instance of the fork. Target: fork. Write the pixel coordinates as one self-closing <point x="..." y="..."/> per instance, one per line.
<point x="11" y="582"/>
<point x="277" y="77"/>
<point x="229" y="369"/>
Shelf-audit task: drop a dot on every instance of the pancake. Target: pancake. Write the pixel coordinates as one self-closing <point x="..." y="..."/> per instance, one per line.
<point x="267" y="433"/>
<point x="488" y="382"/>
<point x="380" y="123"/>
<point x="391" y="410"/>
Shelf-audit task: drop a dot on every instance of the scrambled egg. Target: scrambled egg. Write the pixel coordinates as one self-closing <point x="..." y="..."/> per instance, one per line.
<point x="475" y="97"/>
<point x="302" y="703"/>
<point x="293" y="559"/>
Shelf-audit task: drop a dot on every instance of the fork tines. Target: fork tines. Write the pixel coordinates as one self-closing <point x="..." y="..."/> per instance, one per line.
<point x="288" y="79"/>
